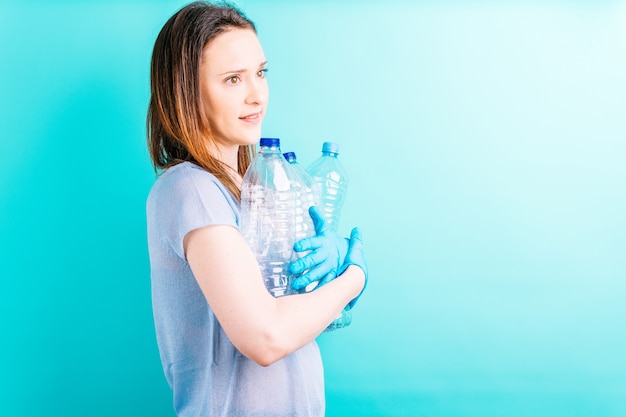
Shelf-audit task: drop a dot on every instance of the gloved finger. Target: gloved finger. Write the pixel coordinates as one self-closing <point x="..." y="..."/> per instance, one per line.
<point x="355" y="257"/>
<point x="308" y="278"/>
<point x="299" y="283"/>
<point x="356" y="237"/>
<point x="319" y="222"/>
<point x="328" y="277"/>
<point x="308" y="243"/>
<point x="308" y="261"/>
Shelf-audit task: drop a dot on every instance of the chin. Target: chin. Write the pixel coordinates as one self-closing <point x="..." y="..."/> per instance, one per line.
<point x="251" y="138"/>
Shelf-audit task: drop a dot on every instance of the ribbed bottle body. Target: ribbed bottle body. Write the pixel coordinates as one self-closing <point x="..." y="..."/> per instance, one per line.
<point x="305" y="198"/>
<point x="330" y="181"/>
<point x="331" y="184"/>
<point x="268" y="221"/>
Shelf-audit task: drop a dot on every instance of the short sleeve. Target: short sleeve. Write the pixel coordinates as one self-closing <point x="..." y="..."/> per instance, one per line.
<point x="186" y="198"/>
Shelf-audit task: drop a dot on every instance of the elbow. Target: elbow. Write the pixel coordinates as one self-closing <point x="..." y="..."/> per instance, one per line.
<point x="266" y="349"/>
<point x="265" y="360"/>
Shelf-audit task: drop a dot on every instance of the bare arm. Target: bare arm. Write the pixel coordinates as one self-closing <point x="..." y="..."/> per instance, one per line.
<point x="263" y="328"/>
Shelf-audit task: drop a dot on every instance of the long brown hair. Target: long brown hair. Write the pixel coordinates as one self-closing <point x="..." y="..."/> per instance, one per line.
<point x="176" y="126"/>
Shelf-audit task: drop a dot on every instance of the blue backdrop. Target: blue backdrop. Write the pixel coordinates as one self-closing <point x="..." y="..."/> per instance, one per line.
<point x="485" y="142"/>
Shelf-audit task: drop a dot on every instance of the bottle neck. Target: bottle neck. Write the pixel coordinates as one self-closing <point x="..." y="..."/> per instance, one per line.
<point x="330" y="154"/>
<point x="269" y="149"/>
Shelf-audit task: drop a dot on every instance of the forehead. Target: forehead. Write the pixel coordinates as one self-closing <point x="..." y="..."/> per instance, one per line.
<point x="233" y="49"/>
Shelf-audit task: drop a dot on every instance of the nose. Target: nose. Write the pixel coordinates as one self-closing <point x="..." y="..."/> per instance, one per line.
<point x="257" y="91"/>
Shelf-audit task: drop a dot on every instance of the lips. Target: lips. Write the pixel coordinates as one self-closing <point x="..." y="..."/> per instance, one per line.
<point x="251" y="117"/>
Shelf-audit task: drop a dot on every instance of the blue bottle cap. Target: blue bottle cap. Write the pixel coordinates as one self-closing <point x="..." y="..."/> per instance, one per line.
<point x="331" y="147"/>
<point x="270" y="142"/>
<point x="290" y="156"/>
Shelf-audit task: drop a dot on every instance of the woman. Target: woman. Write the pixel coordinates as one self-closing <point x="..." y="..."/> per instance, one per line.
<point x="228" y="347"/>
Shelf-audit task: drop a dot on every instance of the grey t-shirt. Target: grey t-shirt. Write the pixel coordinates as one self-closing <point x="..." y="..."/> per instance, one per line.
<point x="207" y="374"/>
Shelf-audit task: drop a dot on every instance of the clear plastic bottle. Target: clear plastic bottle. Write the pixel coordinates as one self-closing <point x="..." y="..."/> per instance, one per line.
<point x="331" y="181"/>
<point x="305" y="199"/>
<point x="268" y="214"/>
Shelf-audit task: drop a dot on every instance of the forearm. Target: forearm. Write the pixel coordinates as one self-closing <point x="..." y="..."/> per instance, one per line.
<point x="306" y="315"/>
<point x="263" y="328"/>
<point x="295" y="320"/>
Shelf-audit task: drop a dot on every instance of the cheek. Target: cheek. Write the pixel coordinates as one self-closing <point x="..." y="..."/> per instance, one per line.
<point x="207" y="103"/>
<point x="226" y="104"/>
<point x="215" y="107"/>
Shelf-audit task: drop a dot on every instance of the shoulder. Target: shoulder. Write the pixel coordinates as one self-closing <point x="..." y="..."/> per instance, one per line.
<point x="184" y="198"/>
<point x="187" y="188"/>
<point x="182" y="176"/>
<point x="186" y="180"/>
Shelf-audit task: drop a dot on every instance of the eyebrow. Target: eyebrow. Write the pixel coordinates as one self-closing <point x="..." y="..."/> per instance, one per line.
<point x="264" y="63"/>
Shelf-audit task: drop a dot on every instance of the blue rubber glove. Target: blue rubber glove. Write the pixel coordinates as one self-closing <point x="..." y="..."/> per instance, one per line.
<point x="355" y="256"/>
<point x="328" y="252"/>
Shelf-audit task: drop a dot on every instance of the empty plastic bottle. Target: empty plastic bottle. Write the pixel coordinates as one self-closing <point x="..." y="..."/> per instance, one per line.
<point x="331" y="182"/>
<point x="306" y="198"/>
<point x="268" y="221"/>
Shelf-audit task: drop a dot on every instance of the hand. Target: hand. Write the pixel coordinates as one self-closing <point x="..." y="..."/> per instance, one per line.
<point x="328" y="252"/>
<point x="355" y="256"/>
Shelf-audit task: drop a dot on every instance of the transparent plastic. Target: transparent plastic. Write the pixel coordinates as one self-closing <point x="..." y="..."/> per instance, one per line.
<point x="331" y="183"/>
<point x="306" y="198"/>
<point x="268" y="221"/>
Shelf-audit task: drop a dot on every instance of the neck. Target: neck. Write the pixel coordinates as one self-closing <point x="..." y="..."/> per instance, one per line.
<point x="230" y="157"/>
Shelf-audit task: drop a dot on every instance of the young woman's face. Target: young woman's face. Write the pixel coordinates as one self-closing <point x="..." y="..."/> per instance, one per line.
<point x="233" y="87"/>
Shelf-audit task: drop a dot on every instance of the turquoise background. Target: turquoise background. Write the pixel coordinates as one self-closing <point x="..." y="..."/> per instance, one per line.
<point x="486" y="143"/>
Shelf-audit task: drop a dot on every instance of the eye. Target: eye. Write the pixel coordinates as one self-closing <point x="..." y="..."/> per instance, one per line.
<point x="262" y="72"/>
<point x="235" y="79"/>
